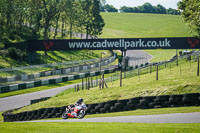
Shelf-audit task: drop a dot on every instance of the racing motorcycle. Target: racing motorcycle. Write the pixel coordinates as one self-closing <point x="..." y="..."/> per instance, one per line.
<point x="80" y="110"/>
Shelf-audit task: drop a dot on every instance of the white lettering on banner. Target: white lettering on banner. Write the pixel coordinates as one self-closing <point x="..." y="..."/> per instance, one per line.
<point x="94" y="44"/>
<point x="153" y="44"/>
<point x="167" y="43"/>
<point x="141" y="43"/>
<point x="121" y="43"/>
<point x="117" y="44"/>
<point x="127" y="44"/>
<point x="98" y="45"/>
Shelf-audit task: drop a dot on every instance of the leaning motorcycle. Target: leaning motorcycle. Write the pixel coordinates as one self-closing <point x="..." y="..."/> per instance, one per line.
<point x="80" y="110"/>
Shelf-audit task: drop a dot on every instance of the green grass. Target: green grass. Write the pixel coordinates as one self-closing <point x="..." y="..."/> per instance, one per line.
<point x="1" y="117"/>
<point x="60" y="56"/>
<point x="161" y="54"/>
<point x="137" y="25"/>
<point x="8" y="62"/>
<point x="98" y="128"/>
<point x="171" y="81"/>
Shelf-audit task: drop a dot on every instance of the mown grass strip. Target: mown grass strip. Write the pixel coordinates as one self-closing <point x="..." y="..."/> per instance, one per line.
<point x="98" y="128"/>
<point x="1" y="117"/>
<point x="161" y="54"/>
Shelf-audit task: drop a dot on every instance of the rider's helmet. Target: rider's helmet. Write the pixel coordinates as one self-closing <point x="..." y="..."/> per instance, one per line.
<point x="80" y="101"/>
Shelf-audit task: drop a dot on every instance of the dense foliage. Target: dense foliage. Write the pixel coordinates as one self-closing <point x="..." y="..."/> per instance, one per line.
<point x="148" y="8"/>
<point x="25" y="19"/>
<point x="109" y="8"/>
<point x="190" y="10"/>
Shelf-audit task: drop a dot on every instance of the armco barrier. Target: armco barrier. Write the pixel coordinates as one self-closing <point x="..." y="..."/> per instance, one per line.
<point x="146" y="102"/>
<point x="105" y="61"/>
<point x="31" y="84"/>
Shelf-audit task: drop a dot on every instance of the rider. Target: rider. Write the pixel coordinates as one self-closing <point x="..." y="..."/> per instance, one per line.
<point x="78" y="104"/>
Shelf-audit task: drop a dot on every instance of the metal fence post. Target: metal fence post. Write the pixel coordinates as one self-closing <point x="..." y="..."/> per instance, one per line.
<point x="157" y="72"/>
<point x="198" y="67"/>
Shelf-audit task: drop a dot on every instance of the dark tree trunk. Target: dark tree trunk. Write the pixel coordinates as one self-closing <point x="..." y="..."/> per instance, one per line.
<point x="57" y="19"/>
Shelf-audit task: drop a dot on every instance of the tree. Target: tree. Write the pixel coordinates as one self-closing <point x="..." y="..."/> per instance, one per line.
<point x="98" y="22"/>
<point x="147" y="8"/>
<point x="102" y="4"/>
<point x="33" y="19"/>
<point x="161" y="9"/>
<point x="87" y="8"/>
<point x="70" y="11"/>
<point x="173" y="11"/>
<point x="190" y="12"/>
<point x="110" y="8"/>
<point x="51" y="8"/>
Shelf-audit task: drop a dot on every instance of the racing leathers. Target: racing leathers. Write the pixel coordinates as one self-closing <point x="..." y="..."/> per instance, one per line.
<point x="77" y="107"/>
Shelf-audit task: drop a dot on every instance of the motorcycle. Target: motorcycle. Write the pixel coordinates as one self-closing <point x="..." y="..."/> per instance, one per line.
<point x="80" y="110"/>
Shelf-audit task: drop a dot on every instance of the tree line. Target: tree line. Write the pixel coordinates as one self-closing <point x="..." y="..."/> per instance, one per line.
<point x="145" y="8"/>
<point x="148" y="8"/>
<point x="49" y="19"/>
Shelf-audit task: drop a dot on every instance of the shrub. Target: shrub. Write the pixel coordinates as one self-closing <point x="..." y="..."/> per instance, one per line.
<point x="16" y="53"/>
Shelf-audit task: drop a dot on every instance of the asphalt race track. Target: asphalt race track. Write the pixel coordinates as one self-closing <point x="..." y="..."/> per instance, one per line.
<point x="137" y="57"/>
<point x="163" y="118"/>
<point x="18" y="101"/>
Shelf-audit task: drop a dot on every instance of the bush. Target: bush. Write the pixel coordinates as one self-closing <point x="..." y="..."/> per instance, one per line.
<point x="16" y="53"/>
<point x="4" y="53"/>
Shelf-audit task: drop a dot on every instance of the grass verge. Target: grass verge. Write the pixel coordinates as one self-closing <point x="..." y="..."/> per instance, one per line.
<point x="98" y="128"/>
<point x="1" y="117"/>
<point x="161" y="54"/>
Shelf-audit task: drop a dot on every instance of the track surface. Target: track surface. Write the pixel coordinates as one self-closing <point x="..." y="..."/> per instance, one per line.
<point x="136" y="57"/>
<point x="163" y="118"/>
<point x="18" y="101"/>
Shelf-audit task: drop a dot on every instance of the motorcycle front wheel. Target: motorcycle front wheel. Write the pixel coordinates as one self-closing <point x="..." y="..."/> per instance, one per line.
<point x="81" y="114"/>
<point x="65" y="115"/>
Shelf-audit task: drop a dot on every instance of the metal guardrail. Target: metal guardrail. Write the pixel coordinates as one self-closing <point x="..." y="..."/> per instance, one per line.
<point x="57" y="72"/>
